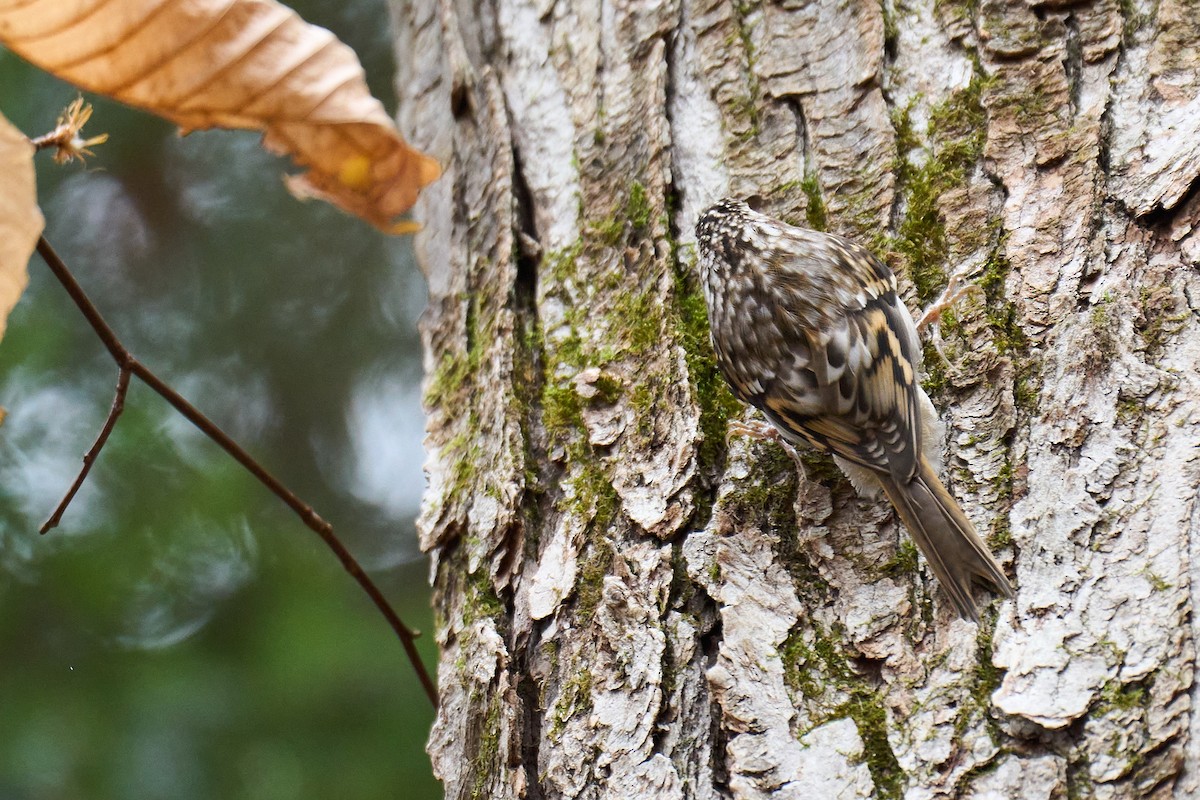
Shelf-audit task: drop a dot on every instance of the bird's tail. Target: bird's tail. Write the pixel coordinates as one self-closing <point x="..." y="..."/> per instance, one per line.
<point x="947" y="538"/>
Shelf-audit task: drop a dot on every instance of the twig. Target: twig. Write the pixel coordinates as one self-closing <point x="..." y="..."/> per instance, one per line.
<point x="128" y="364"/>
<point x="65" y="139"/>
<point x="89" y="458"/>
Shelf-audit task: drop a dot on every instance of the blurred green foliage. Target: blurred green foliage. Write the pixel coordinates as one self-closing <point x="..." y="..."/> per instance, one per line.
<point x="182" y="635"/>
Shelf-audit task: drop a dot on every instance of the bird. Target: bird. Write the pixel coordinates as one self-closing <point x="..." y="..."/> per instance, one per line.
<point x="808" y="327"/>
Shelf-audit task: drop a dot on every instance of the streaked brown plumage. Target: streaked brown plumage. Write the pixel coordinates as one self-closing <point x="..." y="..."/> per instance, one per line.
<point x="809" y="329"/>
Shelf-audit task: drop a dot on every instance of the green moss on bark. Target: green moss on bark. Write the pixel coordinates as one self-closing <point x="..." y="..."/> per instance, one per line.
<point x="820" y="671"/>
<point x="956" y="134"/>
<point x="689" y="314"/>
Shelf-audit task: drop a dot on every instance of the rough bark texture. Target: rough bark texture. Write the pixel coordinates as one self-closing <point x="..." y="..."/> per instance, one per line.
<point x="629" y="605"/>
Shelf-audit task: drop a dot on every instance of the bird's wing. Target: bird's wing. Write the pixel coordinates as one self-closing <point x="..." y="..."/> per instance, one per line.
<point x="852" y="385"/>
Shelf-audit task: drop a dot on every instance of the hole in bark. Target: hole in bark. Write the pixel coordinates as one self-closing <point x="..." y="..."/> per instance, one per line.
<point x="460" y="101"/>
<point x="529" y="252"/>
<point x="528" y="244"/>
<point x="870" y="668"/>
<point x="1073" y="63"/>
<point x="529" y="360"/>
<point x="1161" y="217"/>
<point x="710" y="643"/>
<point x="1087" y="283"/>
<point x="531" y="733"/>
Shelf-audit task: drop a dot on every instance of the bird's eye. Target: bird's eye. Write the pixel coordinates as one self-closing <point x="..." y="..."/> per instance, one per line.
<point x="756" y="202"/>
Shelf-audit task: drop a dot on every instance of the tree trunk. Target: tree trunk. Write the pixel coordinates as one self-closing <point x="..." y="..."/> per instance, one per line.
<point x="630" y="603"/>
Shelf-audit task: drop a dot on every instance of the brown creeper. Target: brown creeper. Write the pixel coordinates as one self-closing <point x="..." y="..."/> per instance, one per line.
<point x="808" y="328"/>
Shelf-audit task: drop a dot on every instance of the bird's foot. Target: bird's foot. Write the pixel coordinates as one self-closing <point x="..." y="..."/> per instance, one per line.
<point x="927" y="324"/>
<point x="764" y="432"/>
<point x="954" y="291"/>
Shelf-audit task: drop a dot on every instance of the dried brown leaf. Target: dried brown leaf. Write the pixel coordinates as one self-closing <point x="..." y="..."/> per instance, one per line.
<point x="20" y="220"/>
<point x="234" y="64"/>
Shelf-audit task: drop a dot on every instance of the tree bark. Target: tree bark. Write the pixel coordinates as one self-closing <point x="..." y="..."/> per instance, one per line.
<point x="632" y="604"/>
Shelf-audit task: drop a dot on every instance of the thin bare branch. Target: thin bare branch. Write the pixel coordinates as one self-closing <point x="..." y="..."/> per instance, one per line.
<point x="311" y="518"/>
<point x="89" y="458"/>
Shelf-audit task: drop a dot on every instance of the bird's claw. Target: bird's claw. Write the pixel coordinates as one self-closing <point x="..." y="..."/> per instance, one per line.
<point x="764" y="432"/>
<point x="954" y="291"/>
<point x="931" y="316"/>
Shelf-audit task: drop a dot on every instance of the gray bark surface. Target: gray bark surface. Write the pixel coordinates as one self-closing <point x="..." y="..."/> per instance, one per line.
<point x="632" y="604"/>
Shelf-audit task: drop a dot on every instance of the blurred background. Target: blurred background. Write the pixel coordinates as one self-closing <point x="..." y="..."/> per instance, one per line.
<point x="181" y="634"/>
